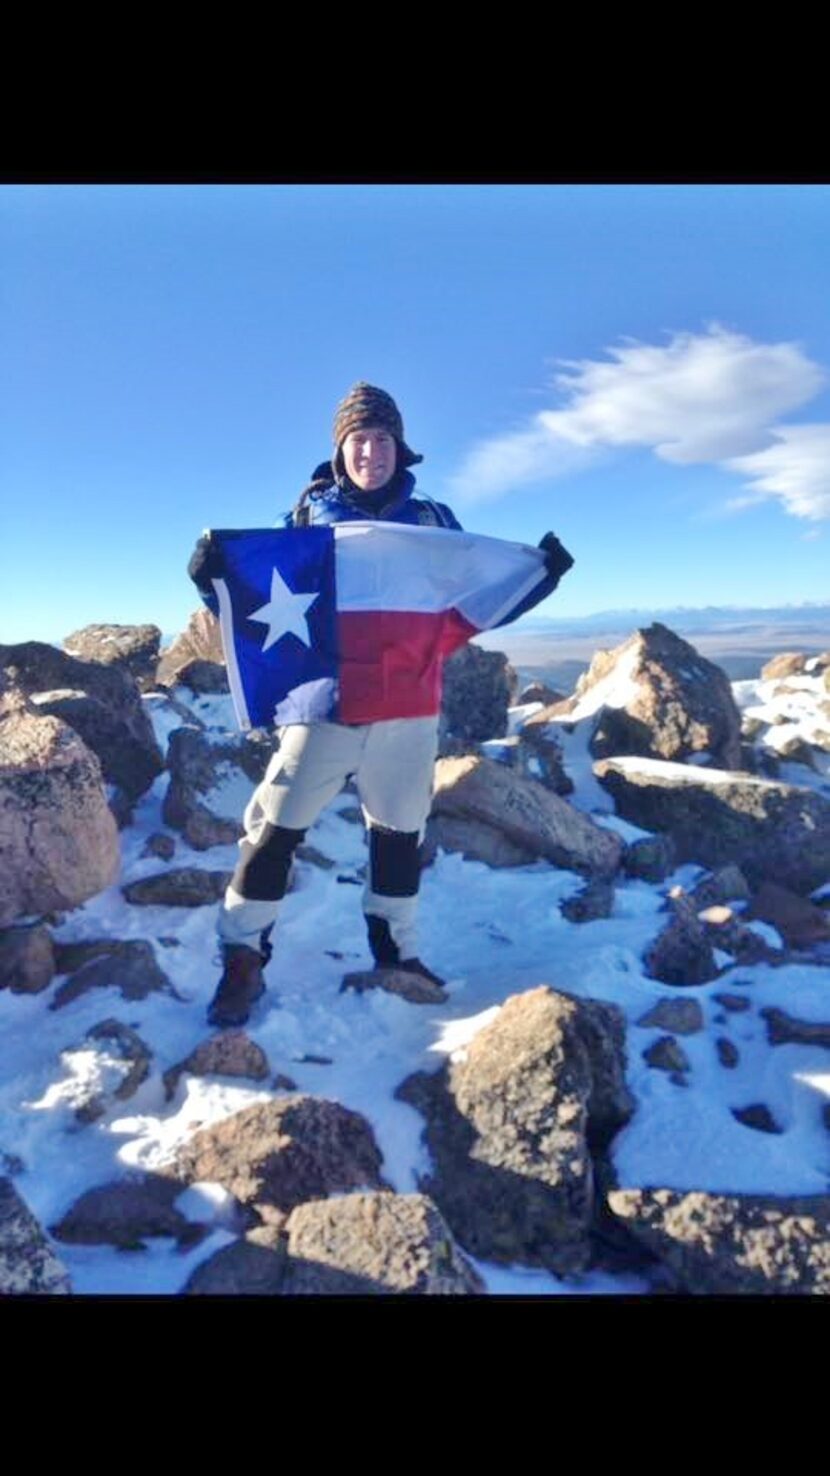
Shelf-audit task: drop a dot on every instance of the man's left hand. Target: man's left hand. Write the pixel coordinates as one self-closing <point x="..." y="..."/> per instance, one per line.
<point x="557" y="559"/>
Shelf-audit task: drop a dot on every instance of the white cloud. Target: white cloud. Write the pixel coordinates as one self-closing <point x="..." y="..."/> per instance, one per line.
<point x="796" y="469"/>
<point x="706" y="397"/>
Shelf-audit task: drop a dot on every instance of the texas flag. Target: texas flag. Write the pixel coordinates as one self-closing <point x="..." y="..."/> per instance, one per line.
<point x="352" y="623"/>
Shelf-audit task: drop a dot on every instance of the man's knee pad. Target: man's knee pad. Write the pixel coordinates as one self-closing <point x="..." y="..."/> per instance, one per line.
<point x="261" y="874"/>
<point x="394" y="862"/>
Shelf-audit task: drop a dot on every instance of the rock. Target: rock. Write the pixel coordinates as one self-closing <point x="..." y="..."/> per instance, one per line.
<point x="188" y="886"/>
<point x="102" y="704"/>
<point x="478" y="686"/>
<point x="122" y="1063"/>
<point x="797" y="751"/>
<point x="283" y="1083"/>
<point x="375" y="1244"/>
<point x="158" y="844"/>
<point x="129" y="967"/>
<point x="200" y="641"/>
<point x="784" y="1029"/>
<point x="474" y="840"/>
<point x="732" y="1245"/>
<point x="681" y="1016"/>
<point x="666" y="1055"/>
<point x="413" y="987"/>
<point x="650" y="858"/>
<point x="800" y="923"/>
<point x="538" y="755"/>
<point x="786" y="663"/>
<point x="28" y="1265"/>
<point x="772" y="831"/>
<point x="241" y="1269"/>
<point x="595" y="899"/>
<point x="736" y="1003"/>
<point x="200" y="769"/>
<point x="539" y="692"/>
<point x="127" y="1212"/>
<point x="512" y="1121"/>
<point x="681" y="954"/>
<point x="475" y="788"/>
<point x="751" y="727"/>
<point x="655" y="695"/>
<point x="757" y="1116"/>
<point x="723" y="930"/>
<point x="203" y="676"/>
<point x="727" y="1052"/>
<point x="120" y="806"/>
<point x="133" y="647"/>
<point x="27" y="958"/>
<point x="230" y="1053"/>
<point x="727" y="884"/>
<point x="58" y="840"/>
<point x="278" y="1154"/>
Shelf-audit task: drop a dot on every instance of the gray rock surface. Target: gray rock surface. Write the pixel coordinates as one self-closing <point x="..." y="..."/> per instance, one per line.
<point x="28" y="1265"/>
<point x="784" y="1029"/>
<point x="102" y="704"/>
<point x="680" y="1016"/>
<point x="409" y="986"/>
<point x="375" y="1244"/>
<point x="730" y="1244"/>
<point x="58" y="840"/>
<point x="130" y="967"/>
<point x="772" y="831"/>
<point x="198" y="766"/>
<point x="595" y="899"/>
<point x="512" y="1122"/>
<point x="229" y="1053"/>
<point x="477" y="691"/>
<point x="679" y="704"/>
<point x="187" y="886"/>
<point x="681" y="953"/>
<point x="133" y="647"/>
<point x="278" y="1154"/>
<point x="201" y="640"/>
<point x="650" y="858"/>
<point x="27" y="958"/>
<point x="124" y="1055"/>
<point x="126" y="1213"/>
<point x="799" y="921"/>
<point x="473" y="788"/>
<point x="667" y="1055"/>
<point x="475" y="840"/>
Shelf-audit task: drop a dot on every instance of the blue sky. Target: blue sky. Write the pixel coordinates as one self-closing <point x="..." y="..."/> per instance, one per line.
<point x="645" y="369"/>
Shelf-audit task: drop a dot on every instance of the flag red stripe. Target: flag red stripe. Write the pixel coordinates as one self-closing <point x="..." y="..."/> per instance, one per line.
<point x="391" y="662"/>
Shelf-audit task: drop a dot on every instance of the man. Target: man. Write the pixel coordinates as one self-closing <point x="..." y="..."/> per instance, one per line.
<point x="392" y="761"/>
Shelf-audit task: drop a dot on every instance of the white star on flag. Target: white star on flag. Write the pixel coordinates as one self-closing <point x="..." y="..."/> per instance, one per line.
<point x="285" y="613"/>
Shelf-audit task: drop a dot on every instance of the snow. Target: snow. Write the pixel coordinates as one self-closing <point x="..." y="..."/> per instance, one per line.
<point x="491" y="934"/>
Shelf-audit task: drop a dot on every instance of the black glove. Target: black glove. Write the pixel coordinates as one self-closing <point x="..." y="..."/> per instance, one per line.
<point x="557" y="559"/>
<point x="205" y="565"/>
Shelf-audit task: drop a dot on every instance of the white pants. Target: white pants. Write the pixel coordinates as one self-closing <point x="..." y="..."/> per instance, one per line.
<point x="393" y="765"/>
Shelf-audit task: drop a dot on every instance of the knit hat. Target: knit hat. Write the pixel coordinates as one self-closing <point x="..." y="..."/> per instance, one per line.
<point x="364" y="405"/>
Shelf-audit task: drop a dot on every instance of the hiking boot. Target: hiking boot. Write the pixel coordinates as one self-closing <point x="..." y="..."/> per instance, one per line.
<point x="240" y="986"/>
<point x="414" y="966"/>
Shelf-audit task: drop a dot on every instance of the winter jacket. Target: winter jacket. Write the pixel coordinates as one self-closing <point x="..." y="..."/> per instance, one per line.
<point x="394" y="503"/>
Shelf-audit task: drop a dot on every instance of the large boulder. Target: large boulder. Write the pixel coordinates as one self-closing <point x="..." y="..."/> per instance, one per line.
<point x="375" y="1244"/>
<point x="512" y="1122"/>
<point x="127" y="1212"/>
<point x="133" y="647"/>
<point x="102" y="704"/>
<point x="27" y="1262"/>
<point x="278" y="1154"/>
<point x="58" y="839"/>
<point x="732" y="1244"/>
<point x="772" y="831"/>
<point x="531" y="817"/>
<point x="200" y="641"/>
<point x="654" y="695"/>
<point x="211" y="779"/>
<point x="478" y="688"/>
<point x="786" y="663"/>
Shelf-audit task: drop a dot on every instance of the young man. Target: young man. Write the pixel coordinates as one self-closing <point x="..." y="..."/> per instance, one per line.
<point x="392" y="761"/>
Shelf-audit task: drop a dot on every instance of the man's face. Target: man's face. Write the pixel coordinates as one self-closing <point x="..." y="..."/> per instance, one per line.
<point x="370" y="456"/>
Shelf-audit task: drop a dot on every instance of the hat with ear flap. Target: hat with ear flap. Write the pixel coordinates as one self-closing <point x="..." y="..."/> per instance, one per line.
<point x="364" y="405"/>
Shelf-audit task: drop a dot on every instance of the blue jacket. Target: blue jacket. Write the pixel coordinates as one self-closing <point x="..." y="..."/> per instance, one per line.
<point x="340" y="505"/>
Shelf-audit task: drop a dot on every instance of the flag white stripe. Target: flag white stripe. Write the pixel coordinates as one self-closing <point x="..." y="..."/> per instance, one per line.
<point x="379" y="567"/>
<point x="240" y="706"/>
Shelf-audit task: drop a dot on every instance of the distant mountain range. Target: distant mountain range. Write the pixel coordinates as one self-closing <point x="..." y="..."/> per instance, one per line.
<point x="810" y="617"/>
